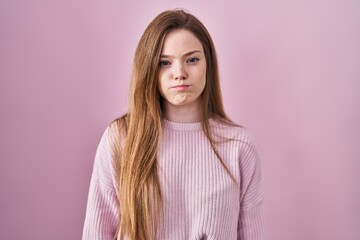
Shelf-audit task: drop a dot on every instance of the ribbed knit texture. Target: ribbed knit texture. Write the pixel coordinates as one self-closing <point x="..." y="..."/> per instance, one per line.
<point x="200" y="199"/>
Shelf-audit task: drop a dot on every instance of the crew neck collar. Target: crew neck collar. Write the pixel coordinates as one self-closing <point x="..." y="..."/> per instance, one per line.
<point x="181" y="126"/>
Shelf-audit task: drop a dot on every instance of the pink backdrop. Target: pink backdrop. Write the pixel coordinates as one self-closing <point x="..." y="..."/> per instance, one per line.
<point x="290" y="73"/>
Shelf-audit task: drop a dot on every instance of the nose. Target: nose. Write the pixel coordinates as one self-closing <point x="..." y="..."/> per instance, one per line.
<point x="180" y="72"/>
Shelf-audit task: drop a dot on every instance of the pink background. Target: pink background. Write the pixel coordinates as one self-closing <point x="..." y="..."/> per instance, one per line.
<point x="290" y="73"/>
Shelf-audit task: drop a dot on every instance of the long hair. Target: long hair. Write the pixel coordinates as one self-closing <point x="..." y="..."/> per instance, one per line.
<point x="137" y="134"/>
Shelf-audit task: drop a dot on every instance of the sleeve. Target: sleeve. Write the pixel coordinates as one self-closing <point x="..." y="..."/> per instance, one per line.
<point x="251" y="224"/>
<point x="102" y="206"/>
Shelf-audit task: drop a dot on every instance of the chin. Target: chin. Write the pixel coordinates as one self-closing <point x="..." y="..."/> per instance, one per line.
<point x="179" y="103"/>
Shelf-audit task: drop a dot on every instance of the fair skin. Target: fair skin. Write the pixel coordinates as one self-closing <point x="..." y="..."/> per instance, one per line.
<point x="182" y="76"/>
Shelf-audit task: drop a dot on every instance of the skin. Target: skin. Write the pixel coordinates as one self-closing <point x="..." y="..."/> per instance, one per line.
<point x="182" y="76"/>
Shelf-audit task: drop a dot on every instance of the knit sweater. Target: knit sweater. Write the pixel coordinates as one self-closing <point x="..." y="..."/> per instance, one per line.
<point x="201" y="201"/>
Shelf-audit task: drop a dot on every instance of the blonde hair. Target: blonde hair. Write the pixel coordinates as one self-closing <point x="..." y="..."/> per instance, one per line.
<point x="137" y="134"/>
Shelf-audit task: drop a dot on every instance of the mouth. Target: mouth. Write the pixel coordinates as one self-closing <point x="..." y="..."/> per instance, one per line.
<point x="181" y="86"/>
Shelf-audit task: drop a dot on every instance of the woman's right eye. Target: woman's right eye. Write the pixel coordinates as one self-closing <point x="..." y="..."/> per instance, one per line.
<point x="164" y="63"/>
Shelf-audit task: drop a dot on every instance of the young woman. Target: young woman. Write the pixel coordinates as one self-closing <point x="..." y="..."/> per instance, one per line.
<point x="175" y="166"/>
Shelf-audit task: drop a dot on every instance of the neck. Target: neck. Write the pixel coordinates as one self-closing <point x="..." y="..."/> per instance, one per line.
<point x="186" y="113"/>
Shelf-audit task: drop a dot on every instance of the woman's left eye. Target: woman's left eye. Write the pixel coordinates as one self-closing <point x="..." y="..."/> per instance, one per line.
<point x="192" y="60"/>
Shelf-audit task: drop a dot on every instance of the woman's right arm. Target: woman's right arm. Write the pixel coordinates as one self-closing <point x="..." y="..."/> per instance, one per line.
<point x="102" y="205"/>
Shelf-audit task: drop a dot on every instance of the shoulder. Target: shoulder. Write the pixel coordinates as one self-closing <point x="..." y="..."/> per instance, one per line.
<point x="111" y="138"/>
<point x="231" y="131"/>
<point x="108" y="152"/>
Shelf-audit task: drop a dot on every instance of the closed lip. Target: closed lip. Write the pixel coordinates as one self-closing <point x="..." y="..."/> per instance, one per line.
<point x="181" y="86"/>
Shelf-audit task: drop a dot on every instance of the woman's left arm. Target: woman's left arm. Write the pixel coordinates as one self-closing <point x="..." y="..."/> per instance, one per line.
<point x="251" y="225"/>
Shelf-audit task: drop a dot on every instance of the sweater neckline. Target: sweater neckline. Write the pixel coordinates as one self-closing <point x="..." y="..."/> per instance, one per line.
<point x="181" y="126"/>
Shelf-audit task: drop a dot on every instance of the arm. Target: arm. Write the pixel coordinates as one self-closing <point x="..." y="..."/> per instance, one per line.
<point x="251" y="225"/>
<point x="102" y="206"/>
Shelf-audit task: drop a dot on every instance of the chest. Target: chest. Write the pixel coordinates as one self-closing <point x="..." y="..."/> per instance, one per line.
<point x="197" y="190"/>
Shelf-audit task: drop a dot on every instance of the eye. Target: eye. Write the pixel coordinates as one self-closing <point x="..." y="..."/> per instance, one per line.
<point x="193" y="60"/>
<point x="164" y="63"/>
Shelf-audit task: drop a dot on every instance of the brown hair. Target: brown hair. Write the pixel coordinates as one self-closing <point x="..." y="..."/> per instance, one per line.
<point x="137" y="134"/>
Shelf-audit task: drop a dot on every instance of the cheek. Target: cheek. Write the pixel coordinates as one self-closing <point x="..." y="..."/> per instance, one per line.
<point x="203" y="75"/>
<point x="161" y="86"/>
<point x="198" y="73"/>
<point x="204" y="79"/>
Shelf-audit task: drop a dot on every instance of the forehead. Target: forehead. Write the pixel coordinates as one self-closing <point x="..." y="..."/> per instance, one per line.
<point x="180" y="41"/>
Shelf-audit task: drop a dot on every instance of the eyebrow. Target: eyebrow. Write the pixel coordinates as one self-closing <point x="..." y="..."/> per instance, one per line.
<point x="186" y="54"/>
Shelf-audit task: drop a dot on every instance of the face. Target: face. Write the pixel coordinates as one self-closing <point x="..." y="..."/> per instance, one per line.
<point x="182" y="69"/>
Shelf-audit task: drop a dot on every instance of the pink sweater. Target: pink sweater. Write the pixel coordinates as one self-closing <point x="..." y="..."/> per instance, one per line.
<point x="200" y="199"/>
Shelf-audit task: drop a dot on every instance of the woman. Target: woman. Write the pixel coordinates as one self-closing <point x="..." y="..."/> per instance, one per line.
<point x="175" y="166"/>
